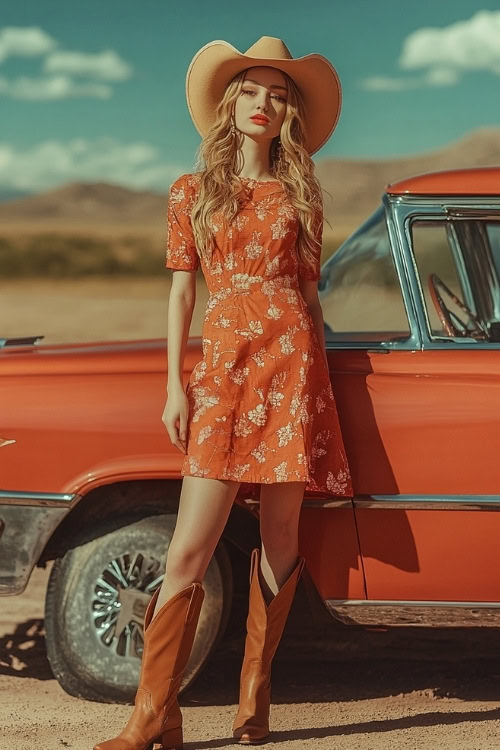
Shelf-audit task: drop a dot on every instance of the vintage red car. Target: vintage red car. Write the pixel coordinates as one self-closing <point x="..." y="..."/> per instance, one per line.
<point x="90" y="479"/>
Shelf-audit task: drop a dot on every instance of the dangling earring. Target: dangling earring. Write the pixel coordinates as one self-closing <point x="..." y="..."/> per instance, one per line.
<point x="279" y="152"/>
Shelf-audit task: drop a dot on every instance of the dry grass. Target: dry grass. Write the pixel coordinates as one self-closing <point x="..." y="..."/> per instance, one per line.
<point x="76" y="252"/>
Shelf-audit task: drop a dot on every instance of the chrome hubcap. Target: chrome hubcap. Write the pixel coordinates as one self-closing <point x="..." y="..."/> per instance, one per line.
<point x="121" y="595"/>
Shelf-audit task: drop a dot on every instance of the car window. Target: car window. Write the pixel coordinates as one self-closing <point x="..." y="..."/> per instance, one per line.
<point x="432" y="243"/>
<point x="360" y="290"/>
<point x="458" y="263"/>
<point x="493" y="230"/>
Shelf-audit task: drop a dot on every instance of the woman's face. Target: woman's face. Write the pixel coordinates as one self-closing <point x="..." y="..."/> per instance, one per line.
<point x="263" y="92"/>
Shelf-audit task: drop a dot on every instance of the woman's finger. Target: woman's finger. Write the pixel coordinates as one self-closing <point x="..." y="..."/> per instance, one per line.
<point x="183" y="426"/>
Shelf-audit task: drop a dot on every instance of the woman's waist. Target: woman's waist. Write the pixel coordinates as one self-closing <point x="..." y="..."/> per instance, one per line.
<point x="246" y="284"/>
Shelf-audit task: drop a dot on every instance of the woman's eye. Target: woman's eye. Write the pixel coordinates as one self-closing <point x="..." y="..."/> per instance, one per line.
<point x="276" y="96"/>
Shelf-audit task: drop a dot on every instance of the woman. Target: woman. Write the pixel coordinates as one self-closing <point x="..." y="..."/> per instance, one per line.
<point x="259" y="406"/>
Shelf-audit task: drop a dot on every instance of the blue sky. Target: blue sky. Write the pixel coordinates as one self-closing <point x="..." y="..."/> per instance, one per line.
<point x="95" y="90"/>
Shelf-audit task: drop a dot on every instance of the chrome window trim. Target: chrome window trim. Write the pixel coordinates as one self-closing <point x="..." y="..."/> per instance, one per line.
<point x="495" y="273"/>
<point x="407" y="209"/>
<point x="461" y="269"/>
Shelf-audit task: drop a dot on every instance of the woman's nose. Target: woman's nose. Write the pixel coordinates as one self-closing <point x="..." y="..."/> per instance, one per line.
<point x="263" y="101"/>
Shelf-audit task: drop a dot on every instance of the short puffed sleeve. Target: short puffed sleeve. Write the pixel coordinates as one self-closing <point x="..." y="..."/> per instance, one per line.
<point x="314" y="273"/>
<point x="181" y="251"/>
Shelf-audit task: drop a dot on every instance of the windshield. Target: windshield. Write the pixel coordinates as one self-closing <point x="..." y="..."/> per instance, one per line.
<point x="360" y="291"/>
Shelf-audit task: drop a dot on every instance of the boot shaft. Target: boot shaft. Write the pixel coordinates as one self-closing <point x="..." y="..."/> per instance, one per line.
<point x="266" y="622"/>
<point x="265" y="625"/>
<point x="168" y="641"/>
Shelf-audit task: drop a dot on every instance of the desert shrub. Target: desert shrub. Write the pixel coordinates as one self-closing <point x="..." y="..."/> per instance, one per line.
<point x="58" y="255"/>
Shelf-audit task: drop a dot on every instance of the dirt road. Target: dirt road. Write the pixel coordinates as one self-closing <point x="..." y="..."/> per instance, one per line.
<point x="342" y="689"/>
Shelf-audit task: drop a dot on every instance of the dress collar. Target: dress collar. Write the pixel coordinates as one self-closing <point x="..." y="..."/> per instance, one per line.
<point x="253" y="190"/>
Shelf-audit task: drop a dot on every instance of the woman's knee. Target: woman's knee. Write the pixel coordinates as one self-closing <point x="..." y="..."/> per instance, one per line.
<point x="184" y="561"/>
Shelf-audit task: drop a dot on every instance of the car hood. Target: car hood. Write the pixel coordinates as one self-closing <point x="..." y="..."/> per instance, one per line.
<point x="142" y="355"/>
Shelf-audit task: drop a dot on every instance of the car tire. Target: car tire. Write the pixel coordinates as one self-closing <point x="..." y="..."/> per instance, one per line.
<point x="92" y="653"/>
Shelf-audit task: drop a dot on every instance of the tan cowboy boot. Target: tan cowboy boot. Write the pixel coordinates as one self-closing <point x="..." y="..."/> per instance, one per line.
<point x="168" y="639"/>
<point x="265" y="626"/>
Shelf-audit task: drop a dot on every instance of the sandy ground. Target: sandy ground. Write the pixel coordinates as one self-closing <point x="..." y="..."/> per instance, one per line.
<point x="339" y="689"/>
<point x="94" y="309"/>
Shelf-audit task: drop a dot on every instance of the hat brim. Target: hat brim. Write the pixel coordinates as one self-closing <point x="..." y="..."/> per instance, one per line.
<point x="217" y="62"/>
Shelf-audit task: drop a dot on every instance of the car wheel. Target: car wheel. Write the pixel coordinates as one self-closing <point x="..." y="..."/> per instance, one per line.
<point x="96" y="599"/>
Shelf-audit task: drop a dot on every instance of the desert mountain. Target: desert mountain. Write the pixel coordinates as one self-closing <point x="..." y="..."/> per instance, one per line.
<point x="355" y="186"/>
<point x="88" y="202"/>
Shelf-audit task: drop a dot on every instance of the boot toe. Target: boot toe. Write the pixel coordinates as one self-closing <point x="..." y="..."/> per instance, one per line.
<point x="250" y="734"/>
<point x="115" y="744"/>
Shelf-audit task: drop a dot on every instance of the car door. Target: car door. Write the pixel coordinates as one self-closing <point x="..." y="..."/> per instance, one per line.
<point x="419" y="407"/>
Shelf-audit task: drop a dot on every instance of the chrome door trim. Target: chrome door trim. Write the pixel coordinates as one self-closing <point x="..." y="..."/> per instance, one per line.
<point x="341" y="502"/>
<point x="330" y="503"/>
<point x="428" y="502"/>
<point x="406" y="502"/>
<point x="49" y="499"/>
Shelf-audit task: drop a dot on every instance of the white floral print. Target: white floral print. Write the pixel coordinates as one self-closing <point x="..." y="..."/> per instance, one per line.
<point x="261" y="405"/>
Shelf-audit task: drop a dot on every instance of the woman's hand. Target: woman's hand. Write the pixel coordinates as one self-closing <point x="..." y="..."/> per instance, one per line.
<point x="175" y="416"/>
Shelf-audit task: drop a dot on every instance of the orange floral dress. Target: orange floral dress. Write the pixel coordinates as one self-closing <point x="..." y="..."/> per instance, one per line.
<point x="261" y="406"/>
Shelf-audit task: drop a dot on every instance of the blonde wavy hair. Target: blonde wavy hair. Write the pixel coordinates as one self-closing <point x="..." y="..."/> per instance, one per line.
<point x="219" y="159"/>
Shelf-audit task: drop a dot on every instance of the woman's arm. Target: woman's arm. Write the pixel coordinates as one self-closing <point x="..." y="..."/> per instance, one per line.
<point x="180" y="311"/>
<point x="181" y="304"/>
<point x="309" y="291"/>
<point x="182" y="258"/>
<point x="309" y="277"/>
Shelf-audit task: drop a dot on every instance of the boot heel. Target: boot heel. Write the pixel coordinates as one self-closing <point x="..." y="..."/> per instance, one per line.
<point x="171" y="739"/>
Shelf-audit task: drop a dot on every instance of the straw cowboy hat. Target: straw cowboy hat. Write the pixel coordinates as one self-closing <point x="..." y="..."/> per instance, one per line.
<point x="217" y="62"/>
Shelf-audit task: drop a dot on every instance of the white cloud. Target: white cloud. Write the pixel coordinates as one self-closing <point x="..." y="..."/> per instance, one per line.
<point x="465" y="45"/>
<point x="448" y="52"/>
<point x="27" y="41"/>
<point x="52" y="163"/>
<point x="386" y="83"/>
<point x="441" y="77"/>
<point x="51" y="87"/>
<point x="433" y="77"/>
<point x="106" y="65"/>
<point x="58" y="66"/>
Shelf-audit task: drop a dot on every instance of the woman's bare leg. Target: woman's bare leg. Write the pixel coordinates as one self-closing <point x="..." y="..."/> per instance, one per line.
<point x="204" y="507"/>
<point x="280" y="506"/>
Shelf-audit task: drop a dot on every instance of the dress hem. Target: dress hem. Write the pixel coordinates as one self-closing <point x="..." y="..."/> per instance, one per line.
<point x="311" y="486"/>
